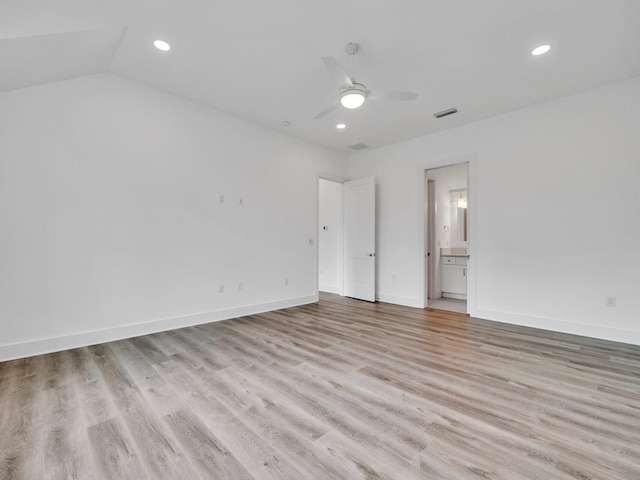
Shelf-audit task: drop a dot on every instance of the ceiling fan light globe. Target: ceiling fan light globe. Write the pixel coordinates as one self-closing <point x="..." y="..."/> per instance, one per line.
<point x="352" y="98"/>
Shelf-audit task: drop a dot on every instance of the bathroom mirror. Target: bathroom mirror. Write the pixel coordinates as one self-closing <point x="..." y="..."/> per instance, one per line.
<point x="459" y="217"/>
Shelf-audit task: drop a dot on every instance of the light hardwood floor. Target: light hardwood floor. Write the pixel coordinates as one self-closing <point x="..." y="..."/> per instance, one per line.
<point x="338" y="389"/>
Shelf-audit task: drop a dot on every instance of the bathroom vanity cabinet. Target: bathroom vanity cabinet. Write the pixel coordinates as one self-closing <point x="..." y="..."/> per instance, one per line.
<point x="454" y="276"/>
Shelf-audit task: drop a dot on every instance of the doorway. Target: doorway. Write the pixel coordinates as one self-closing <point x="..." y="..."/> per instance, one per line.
<point x="347" y="237"/>
<point x="447" y="242"/>
<point x="330" y="236"/>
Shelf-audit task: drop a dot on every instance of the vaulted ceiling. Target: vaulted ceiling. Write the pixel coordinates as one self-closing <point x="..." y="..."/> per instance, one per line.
<point x="262" y="60"/>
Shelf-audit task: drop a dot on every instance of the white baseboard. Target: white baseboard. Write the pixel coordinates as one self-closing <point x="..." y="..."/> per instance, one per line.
<point x="552" y="324"/>
<point x="83" y="339"/>
<point x="405" y="301"/>
<point x="557" y="325"/>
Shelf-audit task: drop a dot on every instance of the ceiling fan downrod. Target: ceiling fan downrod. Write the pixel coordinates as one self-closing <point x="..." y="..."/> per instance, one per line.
<point x="352" y="49"/>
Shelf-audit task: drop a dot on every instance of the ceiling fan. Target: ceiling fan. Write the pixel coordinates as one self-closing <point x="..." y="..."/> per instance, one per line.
<point x="352" y="93"/>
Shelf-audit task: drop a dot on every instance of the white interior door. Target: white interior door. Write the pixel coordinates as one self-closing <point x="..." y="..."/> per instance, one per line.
<point x="360" y="239"/>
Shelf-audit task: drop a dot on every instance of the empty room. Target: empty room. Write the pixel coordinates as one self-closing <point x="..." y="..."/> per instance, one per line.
<point x="319" y="240"/>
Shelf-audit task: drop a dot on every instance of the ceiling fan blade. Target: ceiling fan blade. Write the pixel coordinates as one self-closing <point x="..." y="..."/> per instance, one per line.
<point x="337" y="71"/>
<point x="390" y="95"/>
<point x="327" y="110"/>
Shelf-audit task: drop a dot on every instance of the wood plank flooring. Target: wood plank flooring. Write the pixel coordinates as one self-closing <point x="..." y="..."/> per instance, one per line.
<point x="341" y="389"/>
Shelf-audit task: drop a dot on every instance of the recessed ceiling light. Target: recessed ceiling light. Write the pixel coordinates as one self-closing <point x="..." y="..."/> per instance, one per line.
<point x="162" y="45"/>
<point x="340" y="126"/>
<point x="541" y="49"/>
<point x="285" y="123"/>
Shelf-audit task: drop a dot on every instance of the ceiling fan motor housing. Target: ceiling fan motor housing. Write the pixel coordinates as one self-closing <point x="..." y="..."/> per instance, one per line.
<point x="352" y="48"/>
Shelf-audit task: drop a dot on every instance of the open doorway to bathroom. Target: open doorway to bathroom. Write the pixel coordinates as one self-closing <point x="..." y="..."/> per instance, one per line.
<point x="447" y="239"/>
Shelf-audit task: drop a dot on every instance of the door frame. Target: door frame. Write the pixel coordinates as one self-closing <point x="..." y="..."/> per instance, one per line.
<point x="316" y="280"/>
<point x="472" y="227"/>
<point x="430" y="234"/>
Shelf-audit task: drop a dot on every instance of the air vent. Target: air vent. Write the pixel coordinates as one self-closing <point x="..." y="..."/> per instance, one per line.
<point x="358" y="146"/>
<point x="444" y="113"/>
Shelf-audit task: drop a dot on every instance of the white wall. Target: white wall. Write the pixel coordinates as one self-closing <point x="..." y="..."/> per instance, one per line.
<point x="330" y="236"/>
<point x="111" y="218"/>
<point x="553" y="222"/>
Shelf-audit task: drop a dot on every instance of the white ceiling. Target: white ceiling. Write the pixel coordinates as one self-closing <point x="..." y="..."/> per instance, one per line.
<point x="261" y="60"/>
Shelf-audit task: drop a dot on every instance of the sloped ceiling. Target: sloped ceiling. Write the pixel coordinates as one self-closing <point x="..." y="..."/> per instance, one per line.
<point x="43" y="42"/>
<point x="261" y="60"/>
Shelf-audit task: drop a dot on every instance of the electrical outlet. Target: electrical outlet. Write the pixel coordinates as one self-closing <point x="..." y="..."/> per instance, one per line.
<point x="611" y="301"/>
<point x="240" y="286"/>
<point x="311" y="242"/>
<point x="221" y="289"/>
<point x="286" y="282"/>
<point x="240" y="201"/>
<point x="221" y="199"/>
